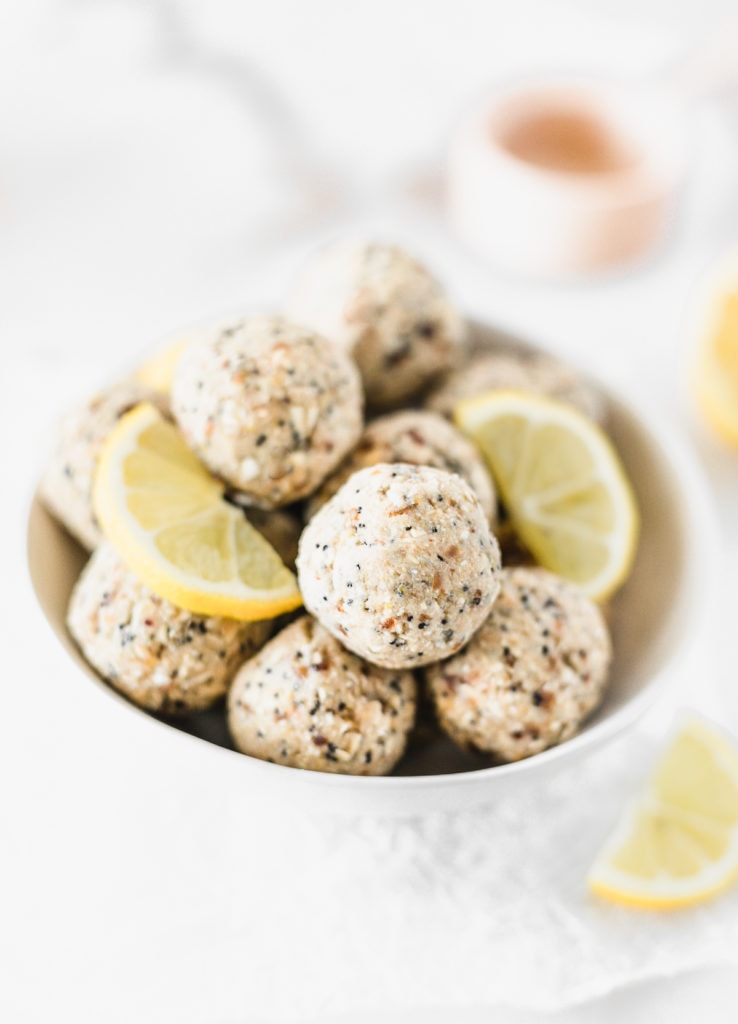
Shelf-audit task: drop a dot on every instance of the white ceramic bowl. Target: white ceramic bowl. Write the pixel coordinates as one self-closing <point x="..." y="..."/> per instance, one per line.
<point x="652" y="620"/>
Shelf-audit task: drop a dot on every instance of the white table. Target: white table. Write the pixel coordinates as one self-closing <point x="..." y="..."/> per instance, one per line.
<point x="138" y="191"/>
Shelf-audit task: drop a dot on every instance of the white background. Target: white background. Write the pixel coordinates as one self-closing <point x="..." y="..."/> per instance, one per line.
<point x="160" y="162"/>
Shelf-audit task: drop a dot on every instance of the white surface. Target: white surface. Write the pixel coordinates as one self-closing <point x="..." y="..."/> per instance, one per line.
<point x="139" y="192"/>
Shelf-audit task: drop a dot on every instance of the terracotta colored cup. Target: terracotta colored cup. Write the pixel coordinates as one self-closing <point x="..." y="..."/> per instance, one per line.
<point x="558" y="179"/>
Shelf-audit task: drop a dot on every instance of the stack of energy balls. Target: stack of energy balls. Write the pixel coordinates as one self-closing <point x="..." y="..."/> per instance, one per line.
<point x="398" y="563"/>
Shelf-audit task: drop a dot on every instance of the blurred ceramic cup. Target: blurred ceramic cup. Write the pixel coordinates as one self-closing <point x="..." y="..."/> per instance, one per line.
<point x="561" y="179"/>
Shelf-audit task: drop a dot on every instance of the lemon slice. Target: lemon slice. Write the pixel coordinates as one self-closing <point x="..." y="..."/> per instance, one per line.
<point x="716" y="371"/>
<point x="157" y="372"/>
<point x="678" y="843"/>
<point x="562" y="483"/>
<point x="169" y="522"/>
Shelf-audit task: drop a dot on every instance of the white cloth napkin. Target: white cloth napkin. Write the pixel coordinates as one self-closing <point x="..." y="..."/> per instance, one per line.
<point x="489" y="906"/>
<point x="480" y="907"/>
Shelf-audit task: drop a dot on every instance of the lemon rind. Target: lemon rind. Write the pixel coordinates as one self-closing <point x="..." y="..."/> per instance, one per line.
<point x="472" y="413"/>
<point x="137" y="550"/>
<point x="664" y="892"/>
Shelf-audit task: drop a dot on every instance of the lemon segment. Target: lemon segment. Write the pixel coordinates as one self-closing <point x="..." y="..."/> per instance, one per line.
<point x="716" y="375"/>
<point x="169" y="522"/>
<point x="678" y="843"/>
<point x="562" y="483"/>
<point x="717" y="397"/>
<point x="157" y="372"/>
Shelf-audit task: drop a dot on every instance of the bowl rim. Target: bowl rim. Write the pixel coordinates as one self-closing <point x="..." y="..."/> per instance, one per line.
<point x="702" y="532"/>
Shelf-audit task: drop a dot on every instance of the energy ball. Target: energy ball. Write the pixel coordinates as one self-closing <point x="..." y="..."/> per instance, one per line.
<point x="421" y="439"/>
<point x="387" y="310"/>
<point x="307" y="702"/>
<point x="270" y="407"/>
<point x="161" y="657"/>
<point x="400" y="565"/>
<point x="539" y="374"/>
<point x="66" y="485"/>
<point x="531" y="675"/>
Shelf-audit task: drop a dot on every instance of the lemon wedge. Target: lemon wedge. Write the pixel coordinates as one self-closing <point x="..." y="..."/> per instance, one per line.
<point x="716" y="371"/>
<point x="562" y="483"/>
<point x="171" y="525"/>
<point x="157" y="372"/>
<point x="678" y="843"/>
